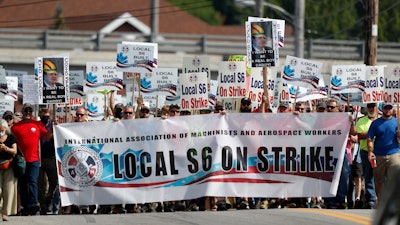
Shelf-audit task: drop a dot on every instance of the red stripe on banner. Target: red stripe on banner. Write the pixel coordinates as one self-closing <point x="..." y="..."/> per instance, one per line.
<point x="65" y="189"/>
<point x="114" y="185"/>
<point x="245" y="180"/>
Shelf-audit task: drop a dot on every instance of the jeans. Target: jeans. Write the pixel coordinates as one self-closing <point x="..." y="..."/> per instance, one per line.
<point x="345" y="176"/>
<point x="28" y="187"/>
<point x="370" y="195"/>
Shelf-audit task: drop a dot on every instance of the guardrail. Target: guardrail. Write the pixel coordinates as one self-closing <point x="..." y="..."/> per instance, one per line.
<point x="188" y="43"/>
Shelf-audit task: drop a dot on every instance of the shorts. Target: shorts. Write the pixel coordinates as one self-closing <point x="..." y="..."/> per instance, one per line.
<point x="356" y="169"/>
<point x="386" y="165"/>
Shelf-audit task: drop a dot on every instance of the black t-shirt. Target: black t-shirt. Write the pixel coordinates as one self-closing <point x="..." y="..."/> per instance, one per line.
<point x="47" y="147"/>
<point x="11" y="139"/>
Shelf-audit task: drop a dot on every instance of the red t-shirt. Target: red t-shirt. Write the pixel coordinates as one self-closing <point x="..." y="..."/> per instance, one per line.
<point x="28" y="135"/>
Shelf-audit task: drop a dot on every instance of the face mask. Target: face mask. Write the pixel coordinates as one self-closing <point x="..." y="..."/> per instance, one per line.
<point x="118" y="114"/>
<point x="2" y="133"/>
<point x="45" y="119"/>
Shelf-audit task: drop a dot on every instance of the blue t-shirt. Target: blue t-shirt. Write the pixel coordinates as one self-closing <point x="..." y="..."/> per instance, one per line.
<point x="385" y="133"/>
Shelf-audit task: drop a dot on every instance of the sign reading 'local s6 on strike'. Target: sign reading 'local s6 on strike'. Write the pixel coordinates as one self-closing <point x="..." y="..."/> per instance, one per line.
<point x="194" y="90"/>
<point x="232" y="79"/>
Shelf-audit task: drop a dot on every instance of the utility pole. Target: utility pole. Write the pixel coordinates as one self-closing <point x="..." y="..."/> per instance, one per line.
<point x="371" y="34"/>
<point x="154" y="19"/>
<point x="259" y="8"/>
<point x="299" y="28"/>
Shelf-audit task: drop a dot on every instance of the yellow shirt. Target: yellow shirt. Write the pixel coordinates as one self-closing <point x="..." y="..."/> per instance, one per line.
<point x="362" y="126"/>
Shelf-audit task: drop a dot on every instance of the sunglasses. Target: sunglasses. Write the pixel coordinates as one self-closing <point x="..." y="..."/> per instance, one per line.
<point x="299" y="109"/>
<point x="246" y="104"/>
<point x="145" y="111"/>
<point x="174" y="111"/>
<point x="128" y="112"/>
<point x="331" y="107"/>
<point x="78" y="114"/>
<point x="28" y="110"/>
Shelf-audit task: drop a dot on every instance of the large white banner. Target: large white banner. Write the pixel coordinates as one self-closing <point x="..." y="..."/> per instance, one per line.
<point x="153" y="160"/>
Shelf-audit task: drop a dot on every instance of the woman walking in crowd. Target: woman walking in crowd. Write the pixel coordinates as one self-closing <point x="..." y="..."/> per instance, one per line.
<point x="8" y="182"/>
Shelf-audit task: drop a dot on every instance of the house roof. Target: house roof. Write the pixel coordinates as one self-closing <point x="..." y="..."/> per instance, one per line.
<point x="95" y="15"/>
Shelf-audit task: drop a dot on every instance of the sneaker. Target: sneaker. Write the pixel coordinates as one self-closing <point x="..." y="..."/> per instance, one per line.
<point x="34" y="210"/>
<point x="159" y="207"/>
<point x="168" y="208"/>
<point x="85" y="211"/>
<point x="341" y="205"/>
<point x="358" y="204"/>
<point x="244" y="205"/>
<point x="368" y="206"/>
<point x="315" y="205"/>
<point x="179" y="206"/>
<point x="337" y="205"/>
<point x="194" y="207"/>
<point x="222" y="205"/>
<point x="264" y="204"/>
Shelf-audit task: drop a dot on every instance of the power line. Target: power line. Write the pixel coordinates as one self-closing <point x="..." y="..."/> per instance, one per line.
<point x="24" y="4"/>
<point x="106" y="16"/>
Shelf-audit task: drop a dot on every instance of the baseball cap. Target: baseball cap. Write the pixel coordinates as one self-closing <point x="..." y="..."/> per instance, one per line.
<point x="174" y="106"/>
<point x="387" y="106"/>
<point x="284" y="104"/>
<point x="321" y="105"/>
<point x="27" y="105"/>
<point x="119" y="106"/>
<point x="144" y="107"/>
<point x="218" y="106"/>
<point x="245" y="100"/>
<point x="371" y="105"/>
<point x="8" y="113"/>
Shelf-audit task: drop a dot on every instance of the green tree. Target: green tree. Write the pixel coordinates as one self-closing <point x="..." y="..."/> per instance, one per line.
<point x="325" y="19"/>
<point x="333" y="20"/>
<point x="202" y="9"/>
<point x="389" y="21"/>
<point x="231" y="14"/>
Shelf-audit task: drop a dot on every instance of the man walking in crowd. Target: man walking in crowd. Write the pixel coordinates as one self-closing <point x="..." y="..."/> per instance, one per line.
<point x="28" y="133"/>
<point x="345" y="176"/>
<point x="128" y="113"/>
<point x="245" y="105"/>
<point x="383" y="146"/>
<point x="144" y="111"/>
<point x="321" y="107"/>
<point x="283" y="107"/>
<point x="50" y="199"/>
<point x="81" y="114"/>
<point x="362" y="127"/>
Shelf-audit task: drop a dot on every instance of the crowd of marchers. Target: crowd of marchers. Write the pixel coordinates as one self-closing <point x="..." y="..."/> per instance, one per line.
<point x="372" y="155"/>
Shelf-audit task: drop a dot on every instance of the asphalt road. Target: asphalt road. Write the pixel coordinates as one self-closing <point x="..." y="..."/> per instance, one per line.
<point x="298" y="216"/>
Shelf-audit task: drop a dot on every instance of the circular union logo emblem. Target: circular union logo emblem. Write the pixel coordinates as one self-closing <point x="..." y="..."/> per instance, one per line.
<point x="82" y="166"/>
